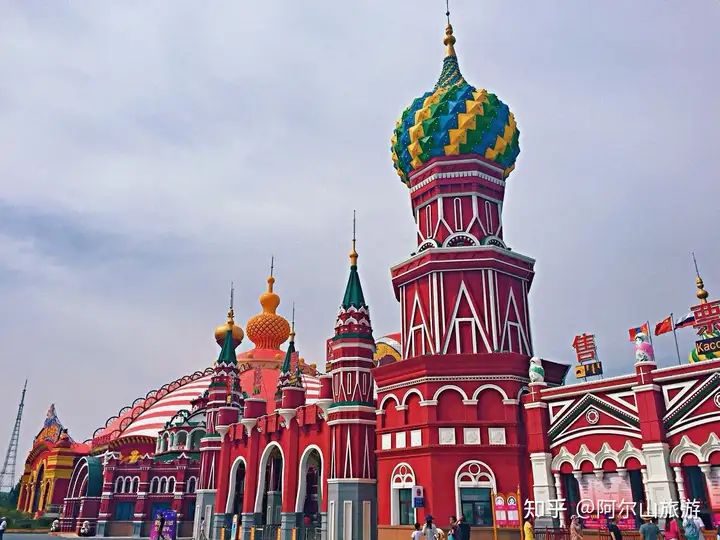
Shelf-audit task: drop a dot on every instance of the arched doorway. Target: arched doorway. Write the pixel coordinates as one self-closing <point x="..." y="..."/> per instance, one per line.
<point x="236" y="490"/>
<point x="268" y="502"/>
<point x="37" y="504"/>
<point x="308" y="505"/>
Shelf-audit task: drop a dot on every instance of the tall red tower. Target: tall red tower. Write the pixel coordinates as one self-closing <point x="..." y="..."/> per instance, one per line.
<point x="352" y="496"/>
<point x="450" y="432"/>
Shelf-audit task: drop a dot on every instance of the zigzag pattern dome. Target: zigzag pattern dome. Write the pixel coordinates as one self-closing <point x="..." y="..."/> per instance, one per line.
<point x="454" y="118"/>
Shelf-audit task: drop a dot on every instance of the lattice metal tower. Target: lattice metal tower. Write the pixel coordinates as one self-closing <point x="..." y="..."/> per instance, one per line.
<point x="7" y="475"/>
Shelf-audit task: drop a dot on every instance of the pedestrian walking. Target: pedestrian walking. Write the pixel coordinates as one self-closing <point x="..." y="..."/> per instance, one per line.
<point x="3" y="526"/>
<point x="429" y="530"/>
<point x="528" y="529"/>
<point x="614" y="530"/>
<point x="417" y="533"/>
<point x="575" y="528"/>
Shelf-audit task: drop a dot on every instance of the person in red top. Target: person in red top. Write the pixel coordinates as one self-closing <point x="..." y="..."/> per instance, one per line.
<point x="672" y="529"/>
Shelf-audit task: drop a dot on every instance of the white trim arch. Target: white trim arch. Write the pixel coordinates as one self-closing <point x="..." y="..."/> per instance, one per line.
<point x="402" y="477"/>
<point x="261" y="474"/>
<point x="597" y="458"/>
<point x="450" y="387"/>
<point x="410" y="392"/>
<point x="492" y="387"/>
<point x="231" y="489"/>
<point x="172" y="483"/>
<point x="155" y="485"/>
<point x="191" y="485"/>
<point x="473" y="474"/>
<point x="302" y="478"/>
<point x="386" y="398"/>
<point x="135" y="484"/>
<point x="461" y="234"/>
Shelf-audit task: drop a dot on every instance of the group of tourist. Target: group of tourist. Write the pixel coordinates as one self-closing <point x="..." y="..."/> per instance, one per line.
<point x="691" y="527"/>
<point x="457" y="530"/>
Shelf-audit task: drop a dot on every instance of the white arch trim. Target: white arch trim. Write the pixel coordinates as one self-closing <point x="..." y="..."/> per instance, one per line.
<point x="702" y="452"/>
<point x="302" y="487"/>
<point x="80" y="467"/>
<point x="231" y="482"/>
<point x="597" y="458"/>
<point x="261" y="474"/>
<point x="485" y="477"/>
<point x="386" y="398"/>
<point x="409" y="393"/>
<point x="450" y="387"/>
<point x="492" y="386"/>
<point x="400" y="479"/>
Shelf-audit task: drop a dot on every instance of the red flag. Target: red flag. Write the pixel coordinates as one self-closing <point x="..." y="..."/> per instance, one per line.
<point x="645" y="329"/>
<point x="664" y="326"/>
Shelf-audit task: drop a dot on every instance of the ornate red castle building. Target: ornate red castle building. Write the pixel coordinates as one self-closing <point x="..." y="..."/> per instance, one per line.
<point x="454" y="415"/>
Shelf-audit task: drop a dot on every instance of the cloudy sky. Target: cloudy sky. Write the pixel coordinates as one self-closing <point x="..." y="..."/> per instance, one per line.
<point x="152" y="152"/>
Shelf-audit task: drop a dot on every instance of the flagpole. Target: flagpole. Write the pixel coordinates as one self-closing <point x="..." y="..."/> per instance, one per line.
<point x="649" y="332"/>
<point x="677" y="348"/>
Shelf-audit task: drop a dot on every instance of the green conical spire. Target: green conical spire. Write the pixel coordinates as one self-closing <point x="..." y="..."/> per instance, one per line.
<point x="287" y="363"/>
<point x="227" y="353"/>
<point x="353" y="292"/>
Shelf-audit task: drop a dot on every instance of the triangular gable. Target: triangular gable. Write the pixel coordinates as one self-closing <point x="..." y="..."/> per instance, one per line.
<point x="557" y="408"/>
<point x="626" y="399"/>
<point x="587" y="402"/>
<point x="694" y="400"/>
<point x="673" y="393"/>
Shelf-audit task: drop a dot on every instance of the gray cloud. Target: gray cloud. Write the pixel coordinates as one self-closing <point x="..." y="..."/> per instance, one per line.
<point x="152" y="153"/>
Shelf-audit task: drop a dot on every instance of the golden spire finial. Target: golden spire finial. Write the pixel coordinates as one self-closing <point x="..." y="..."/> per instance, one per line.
<point x="449" y="40"/>
<point x="231" y="312"/>
<point x="701" y="293"/>
<point x="353" y="253"/>
<point x="292" y="324"/>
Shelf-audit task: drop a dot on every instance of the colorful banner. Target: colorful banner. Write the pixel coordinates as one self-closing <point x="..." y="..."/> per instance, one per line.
<point x="605" y="497"/>
<point x="500" y="511"/>
<point x="165" y="526"/>
<point x="513" y="515"/>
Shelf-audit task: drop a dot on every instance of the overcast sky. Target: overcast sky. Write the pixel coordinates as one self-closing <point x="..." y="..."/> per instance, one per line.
<point x="152" y="152"/>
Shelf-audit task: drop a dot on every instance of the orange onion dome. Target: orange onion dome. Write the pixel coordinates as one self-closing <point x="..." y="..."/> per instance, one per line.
<point x="267" y="330"/>
<point x="237" y="332"/>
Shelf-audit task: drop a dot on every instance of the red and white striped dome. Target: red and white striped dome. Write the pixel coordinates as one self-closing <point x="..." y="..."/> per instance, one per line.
<point x="147" y="416"/>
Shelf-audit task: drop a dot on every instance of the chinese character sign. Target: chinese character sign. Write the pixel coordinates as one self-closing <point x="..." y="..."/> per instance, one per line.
<point x="164" y="527"/>
<point x="584" y="346"/>
<point x="707" y="317"/>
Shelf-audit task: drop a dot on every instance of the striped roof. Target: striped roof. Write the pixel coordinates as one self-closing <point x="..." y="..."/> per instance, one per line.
<point x="147" y="416"/>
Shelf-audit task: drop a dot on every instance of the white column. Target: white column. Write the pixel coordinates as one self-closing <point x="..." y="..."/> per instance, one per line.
<point x="559" y="492"/>
<point x="657" y="477"/>
<point x="543" y="481"/>
<point x="679" y="483"/>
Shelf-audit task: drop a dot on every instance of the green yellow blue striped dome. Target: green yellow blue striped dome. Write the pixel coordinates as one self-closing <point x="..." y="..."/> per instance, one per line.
<point x="454" y="118"/>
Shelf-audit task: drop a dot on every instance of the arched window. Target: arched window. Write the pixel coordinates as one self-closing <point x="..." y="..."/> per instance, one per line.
<point x="154" y="483"/>
<point x="171" y="485"/>
<point x="135" y="485"/>
<point x="163" y="485"/>
<point x="195" y="438"/>
<point x="181" y="439"/>
<point x="428" y="221"/>
<point x="165" y="440"/>
<point x="191" y="485"/>
<point x="457" y="211"/>
<point x="474" y="486"/>
<point x="120" y="485"/>
<point x="401" y="484"/>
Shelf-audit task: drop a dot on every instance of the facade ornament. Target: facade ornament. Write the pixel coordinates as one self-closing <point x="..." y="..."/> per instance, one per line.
<point x="536" y="372"/>
<point x="643" y="348"/>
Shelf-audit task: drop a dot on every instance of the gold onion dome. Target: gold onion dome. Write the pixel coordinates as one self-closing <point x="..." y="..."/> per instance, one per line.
<point x="267" y="330"/>
<point x="237" y="332"/>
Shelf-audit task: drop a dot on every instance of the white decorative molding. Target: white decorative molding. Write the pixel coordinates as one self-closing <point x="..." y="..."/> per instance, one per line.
<point x="386" y="441"/>
<point x="471" y="435"/>
<point x="453" y="379"/>
<point x="400" y="439"/>
<point x="596" y="459"/>
<point x="446" y="435"/>
<point x="701" y="452"/>
<point x="416" y="438"/>
<point x="496" y="435"/>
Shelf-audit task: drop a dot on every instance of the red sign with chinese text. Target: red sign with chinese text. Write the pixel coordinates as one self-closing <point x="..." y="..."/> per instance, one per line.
<point x="585" y="348"/>
<point x="707" y="317"/>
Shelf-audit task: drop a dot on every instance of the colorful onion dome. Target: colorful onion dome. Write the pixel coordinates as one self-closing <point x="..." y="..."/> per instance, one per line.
<point x="267" y="330"/>
<point x="454" y="118"/>
<point x="222" y="330"/>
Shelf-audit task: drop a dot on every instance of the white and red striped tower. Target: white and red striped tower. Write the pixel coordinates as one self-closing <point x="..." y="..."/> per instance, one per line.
<point x="464" y="291"/>
<point x="223" y="409"/>
<point x="352" y="493"/>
